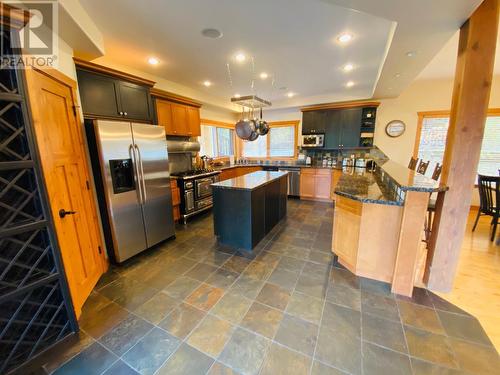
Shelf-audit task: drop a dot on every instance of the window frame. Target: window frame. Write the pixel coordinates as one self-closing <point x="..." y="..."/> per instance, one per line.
<point x="439" y="114"/>
<point x="275" y="124"/>
<point x="225" y="125"/>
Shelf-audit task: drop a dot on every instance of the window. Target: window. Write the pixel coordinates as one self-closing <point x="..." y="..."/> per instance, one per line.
<point x="216" y="141"/>
<point x="433" y="141"/>
<point x="282" y="141"/>
<point x="278" y="143"/>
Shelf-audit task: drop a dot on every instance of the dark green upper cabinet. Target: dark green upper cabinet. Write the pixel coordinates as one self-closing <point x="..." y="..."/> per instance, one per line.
<point x="351" y="127"/>
<point x="104" y="96"/>
<point x="342" y="127"/>
<point x="314" y="122"/>
<point x="333" y="131"/>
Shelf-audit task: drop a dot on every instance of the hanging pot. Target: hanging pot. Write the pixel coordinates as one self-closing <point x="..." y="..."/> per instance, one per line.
<point x="253" y="137"/>
<point x="245" y="128"/>
<point x="262" y="127"/>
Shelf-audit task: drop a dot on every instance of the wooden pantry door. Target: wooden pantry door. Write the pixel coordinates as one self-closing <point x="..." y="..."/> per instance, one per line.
<point x="52" y="98"/>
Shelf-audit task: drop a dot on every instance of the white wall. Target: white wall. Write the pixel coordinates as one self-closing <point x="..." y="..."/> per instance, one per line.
<point x="420" y="96"/>
<point x="65" y="60"/>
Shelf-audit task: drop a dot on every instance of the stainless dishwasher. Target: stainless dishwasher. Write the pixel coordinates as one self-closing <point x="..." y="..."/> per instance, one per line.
<point x="293" y="180"/>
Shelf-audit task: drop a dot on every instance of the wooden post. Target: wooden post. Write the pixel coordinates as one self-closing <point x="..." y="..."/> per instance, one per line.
<point x="410" y="240"/>
<point x="471" y="93"/>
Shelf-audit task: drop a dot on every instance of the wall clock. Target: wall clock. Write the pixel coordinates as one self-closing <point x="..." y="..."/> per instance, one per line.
<point x="395" y="128"/>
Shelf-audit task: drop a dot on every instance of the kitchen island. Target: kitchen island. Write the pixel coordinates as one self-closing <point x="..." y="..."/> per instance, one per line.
<point x="378" y="223"/>
<point x="246" y="208"/>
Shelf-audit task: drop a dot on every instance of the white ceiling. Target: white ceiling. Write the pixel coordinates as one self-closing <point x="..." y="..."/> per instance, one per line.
<point x="292" y="40"/>
<point x="444" y="63"/>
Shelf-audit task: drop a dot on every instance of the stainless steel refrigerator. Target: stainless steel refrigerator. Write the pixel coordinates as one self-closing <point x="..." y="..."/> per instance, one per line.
<point x="136" y="182"/>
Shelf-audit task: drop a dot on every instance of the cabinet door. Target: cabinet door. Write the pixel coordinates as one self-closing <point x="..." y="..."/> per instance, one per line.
<point x="307" y="122"/>
<point x="180" y="119"/>
<point x="322" y="186"/>
<point x="333" y="129"/>
<point x="313" y="122"/>
<point x="351" y="127"/>
<point x="134" y="101"/>
<point x="98" y="94"/>
<point x="307" y="182"/>
<point x="164" y="115"/>
<point x="194" y="129"/>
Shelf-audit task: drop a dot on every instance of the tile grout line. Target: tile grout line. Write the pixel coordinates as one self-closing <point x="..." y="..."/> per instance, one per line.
<point x="320" y="320"/>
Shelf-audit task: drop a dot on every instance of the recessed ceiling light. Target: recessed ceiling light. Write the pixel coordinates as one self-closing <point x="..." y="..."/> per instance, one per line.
<point x="348" y="67"/>
<point x="212" y="33"/>
<point x="349" y="84"/>
<point x="207" y="83"/>
<point x="240" y="57"/>
<point x="398" y="75"/>
<point x="264" y="75"/>
<point x="344" y="38"/>
<point x="237" y="95"/>
<point x="153" y="61"/>
<point x="290" y="94"/>
<point x="411" y="53"/>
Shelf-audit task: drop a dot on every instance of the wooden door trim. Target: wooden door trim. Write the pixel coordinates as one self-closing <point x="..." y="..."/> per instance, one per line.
<point x="67" y="81"/>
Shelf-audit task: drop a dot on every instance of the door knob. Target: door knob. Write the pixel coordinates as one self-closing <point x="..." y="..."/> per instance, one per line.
<point x="63" y="213"/>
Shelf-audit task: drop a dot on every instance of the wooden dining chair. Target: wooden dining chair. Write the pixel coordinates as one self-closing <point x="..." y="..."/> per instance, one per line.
<point x="489" y="200"/>
<point x="413" y="163"/>
<point x="422" y="166"/>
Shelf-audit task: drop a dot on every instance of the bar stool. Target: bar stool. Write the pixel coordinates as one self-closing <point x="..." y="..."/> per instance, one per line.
<point x="422" y="166"/>
<point x="413" y="163"/>
<point x="431" y="207"/>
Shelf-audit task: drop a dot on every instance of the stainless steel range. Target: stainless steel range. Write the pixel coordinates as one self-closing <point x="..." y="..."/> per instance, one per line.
<point x="196" y="192"/>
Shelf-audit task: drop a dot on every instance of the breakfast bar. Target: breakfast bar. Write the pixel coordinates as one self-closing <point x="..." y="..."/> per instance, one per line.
<point x="378" y="223"/>
<point x="247" y="207"/>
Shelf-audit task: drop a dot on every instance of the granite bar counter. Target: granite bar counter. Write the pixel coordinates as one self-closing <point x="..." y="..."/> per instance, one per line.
<point x="379" y="221"/>
<point x="247" y="207"/>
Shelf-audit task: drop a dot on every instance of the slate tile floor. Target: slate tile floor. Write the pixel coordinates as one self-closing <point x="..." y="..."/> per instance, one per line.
<point x="190" y="306"/>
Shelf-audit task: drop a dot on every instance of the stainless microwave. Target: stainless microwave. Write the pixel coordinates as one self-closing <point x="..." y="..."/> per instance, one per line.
<point x="313" y="140"/>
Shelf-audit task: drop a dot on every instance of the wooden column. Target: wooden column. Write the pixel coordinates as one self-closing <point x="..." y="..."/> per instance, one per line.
<point x="410" y="242"/>
<point x="471" y="93"/>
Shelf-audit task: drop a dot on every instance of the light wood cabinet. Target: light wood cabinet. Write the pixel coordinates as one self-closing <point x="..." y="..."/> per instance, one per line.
<point x="193" y="120"/>
<point x="176" y="199"/>
<point x="307" y="182"/>
<point x="180" y="116"/>
<point x="315" y="183"/>
<point x="366" y="237"/>
<point x="226" y="174"/>
<point x="164" y="116"/>
<point x="322" y="184"/>
<point x="180" y="119"/>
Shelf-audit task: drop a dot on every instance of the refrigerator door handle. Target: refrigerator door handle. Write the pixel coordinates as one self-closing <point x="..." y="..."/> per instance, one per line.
<point x="145" y="196"/>
<point x="136" y="171"/>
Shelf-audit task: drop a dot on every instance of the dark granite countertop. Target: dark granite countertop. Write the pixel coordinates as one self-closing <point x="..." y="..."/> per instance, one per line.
<point x="224" y="167"/>
<point x="409" y="180"/>
<point x="365" y="186"/>
<point x="249" y="181"/>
